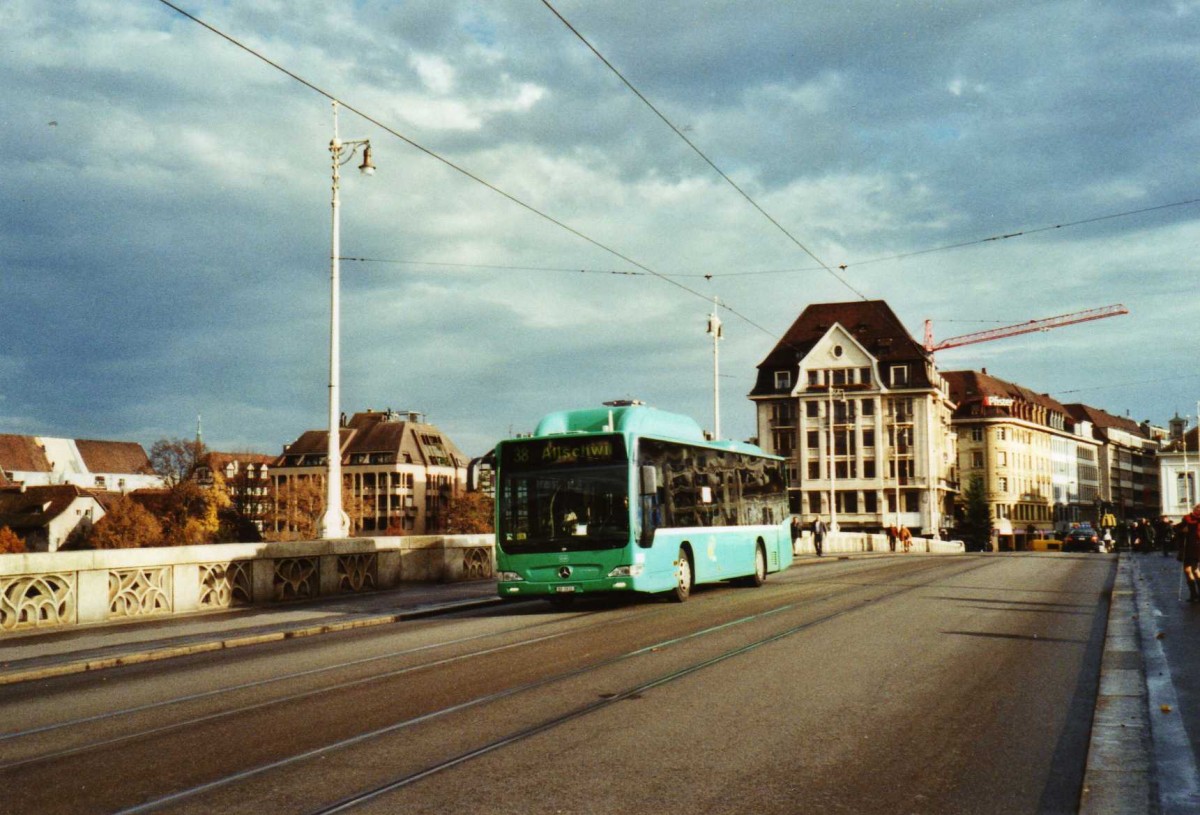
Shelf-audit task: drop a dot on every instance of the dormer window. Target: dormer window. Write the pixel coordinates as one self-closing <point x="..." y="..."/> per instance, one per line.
<point x="783" y="380"/>
<point x="898" y="375"/>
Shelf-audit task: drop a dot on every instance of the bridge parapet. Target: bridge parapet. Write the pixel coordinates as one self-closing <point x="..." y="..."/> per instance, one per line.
<point x="854" y="542"/>
<point x="70" y="588"/>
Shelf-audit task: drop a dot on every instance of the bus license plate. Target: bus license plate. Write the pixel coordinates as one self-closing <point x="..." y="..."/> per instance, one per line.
<point x="564" y="589"/>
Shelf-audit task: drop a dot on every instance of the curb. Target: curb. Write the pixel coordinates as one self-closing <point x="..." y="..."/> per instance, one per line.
<point x="17" y="675"/>
<point x="1119" y="774"/>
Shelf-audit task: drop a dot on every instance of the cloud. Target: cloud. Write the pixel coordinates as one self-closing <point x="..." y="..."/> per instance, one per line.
<point x="166" y="244"/>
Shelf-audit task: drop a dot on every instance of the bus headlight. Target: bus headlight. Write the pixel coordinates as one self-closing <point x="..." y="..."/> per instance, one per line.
<point x="508" y="577"/>
<point x="627" y="571"/>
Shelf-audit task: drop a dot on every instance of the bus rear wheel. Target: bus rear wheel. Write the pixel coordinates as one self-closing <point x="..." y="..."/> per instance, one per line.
<point x="683" y="577"/>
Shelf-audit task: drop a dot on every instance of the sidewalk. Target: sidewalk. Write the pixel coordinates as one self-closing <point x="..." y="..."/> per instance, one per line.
<point x="34" y="654"/>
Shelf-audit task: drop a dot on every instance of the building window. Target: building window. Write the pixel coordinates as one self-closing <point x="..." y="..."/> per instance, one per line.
<point x="976" y="434"/>
<point x="868" y="438"/>
<point x="1001" y="458"/>
<point x="870" y="502"/>
<point x="1002" y="484"/>
<point x="814" y="469"/>
<point x="868" y="407"/>
<point x="812" y="409"/>
<point x="869" y="470"/>
<point x="898" y="375"/>
<point x="813" y="378"/>
<point x="1185" y="488"/>
<point x="785" y="442"/>
<point x="977" y="459"/>
<point x="783" y="380"/>
<point x="864" y="376"/>
<point x="1001" y="434"/>
<point x="813" y="439"/>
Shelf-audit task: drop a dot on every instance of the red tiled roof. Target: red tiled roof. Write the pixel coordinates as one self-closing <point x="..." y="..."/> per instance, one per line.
<point x="1103" y="420"/>
<point x="373" y="432"/>
<point x="22" y="453"/>
<point x="114" y="456"/>
<point x="871" y="322"/>
<point x="218" y="461"/>
<point x="970" y="386"/>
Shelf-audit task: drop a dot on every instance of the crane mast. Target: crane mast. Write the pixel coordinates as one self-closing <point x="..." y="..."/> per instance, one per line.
<point x="1021" y="328"/>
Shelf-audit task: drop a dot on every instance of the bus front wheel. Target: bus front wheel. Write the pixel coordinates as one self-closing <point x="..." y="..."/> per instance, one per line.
<point x="683" y="577"/>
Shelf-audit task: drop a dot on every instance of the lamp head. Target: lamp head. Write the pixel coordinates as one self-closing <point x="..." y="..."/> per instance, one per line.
<point x="367" y="167"/>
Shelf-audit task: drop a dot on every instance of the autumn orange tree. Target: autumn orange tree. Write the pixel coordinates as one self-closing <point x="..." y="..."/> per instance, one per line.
<point x="189" y="514"/>
<point x="297" y="505"/>
<point x="10" y="543"/>
<point x="126" y="525"/>
<point x="469" y="513"/>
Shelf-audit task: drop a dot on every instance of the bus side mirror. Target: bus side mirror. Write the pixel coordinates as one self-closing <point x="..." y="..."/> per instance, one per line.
<point x="649" y="480"/>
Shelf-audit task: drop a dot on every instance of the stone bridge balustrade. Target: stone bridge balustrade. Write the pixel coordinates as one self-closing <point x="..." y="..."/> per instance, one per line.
<point x="69" y="588"/>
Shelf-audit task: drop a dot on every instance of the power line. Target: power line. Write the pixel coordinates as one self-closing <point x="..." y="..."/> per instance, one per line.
<point x="463" y="171"/>
<point x="713" y="275"/>
<point x="700" y="152"/>
<point x="1025" y="232"/>
<point x="502" y="267"/>
<point x="1128" y="384"/>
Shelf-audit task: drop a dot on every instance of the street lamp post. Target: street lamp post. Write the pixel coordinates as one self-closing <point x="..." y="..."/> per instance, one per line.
<point x="840" y="395"/>
<point x="335" y="523"/>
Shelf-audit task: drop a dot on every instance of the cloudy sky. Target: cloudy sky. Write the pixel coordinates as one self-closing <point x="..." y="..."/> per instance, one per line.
<point x="166" y="219"/>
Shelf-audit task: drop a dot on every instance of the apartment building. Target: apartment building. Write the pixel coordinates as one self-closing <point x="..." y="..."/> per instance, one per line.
<point x="1179" y="470"/>
<point x="1040" y="467"/>
<point x="401" y="472"/>
<point x="245" y="478"/>
<point x="1128" y="462"/>
<point x="860" y="411"/>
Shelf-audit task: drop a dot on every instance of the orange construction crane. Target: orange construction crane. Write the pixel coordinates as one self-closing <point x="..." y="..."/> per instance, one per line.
<point x="1021" y="328"/>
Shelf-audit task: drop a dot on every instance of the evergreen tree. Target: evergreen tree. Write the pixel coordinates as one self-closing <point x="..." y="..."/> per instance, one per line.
<point x="977" y="521"/>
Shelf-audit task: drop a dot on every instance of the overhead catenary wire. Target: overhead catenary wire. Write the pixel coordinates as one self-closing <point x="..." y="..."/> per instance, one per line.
<point x="459" y="169"/>
<point x="713" y="275"/>
<point x="701" y="153"/>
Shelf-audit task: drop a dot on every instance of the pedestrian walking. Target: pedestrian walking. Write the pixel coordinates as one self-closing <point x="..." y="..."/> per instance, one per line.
<point x="818" y="531"/>
<point x="1164" y="533"/>
<point x="797" y="529"/>
<point x="892" y="535"/>
<point x="1189" y="552"/>
<point x="905" y="538"/>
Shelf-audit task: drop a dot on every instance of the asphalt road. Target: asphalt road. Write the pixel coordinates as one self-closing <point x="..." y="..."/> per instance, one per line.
<point x="922" y="684"/>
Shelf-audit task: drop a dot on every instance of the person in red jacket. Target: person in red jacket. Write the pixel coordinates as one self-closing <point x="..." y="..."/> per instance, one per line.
<point x="1189" y="551"/>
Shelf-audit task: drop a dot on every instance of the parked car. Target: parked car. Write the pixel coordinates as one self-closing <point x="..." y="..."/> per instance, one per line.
<point x="1081" y="539"/>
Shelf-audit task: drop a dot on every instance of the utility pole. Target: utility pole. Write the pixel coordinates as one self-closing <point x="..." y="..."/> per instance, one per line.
<point x="714" y="328"/>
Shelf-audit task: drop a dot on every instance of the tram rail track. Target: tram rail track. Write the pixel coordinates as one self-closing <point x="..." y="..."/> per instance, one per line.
<point x="373" y="792"/>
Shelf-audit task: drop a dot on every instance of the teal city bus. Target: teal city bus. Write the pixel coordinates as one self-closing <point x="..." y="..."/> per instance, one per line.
<point x="631" y="498"/>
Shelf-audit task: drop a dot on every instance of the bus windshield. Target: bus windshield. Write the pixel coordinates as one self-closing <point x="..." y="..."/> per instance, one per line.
<point x="563" y="510"/>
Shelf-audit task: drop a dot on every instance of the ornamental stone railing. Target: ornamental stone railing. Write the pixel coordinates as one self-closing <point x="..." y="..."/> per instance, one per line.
<point x="69" y="588"/>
